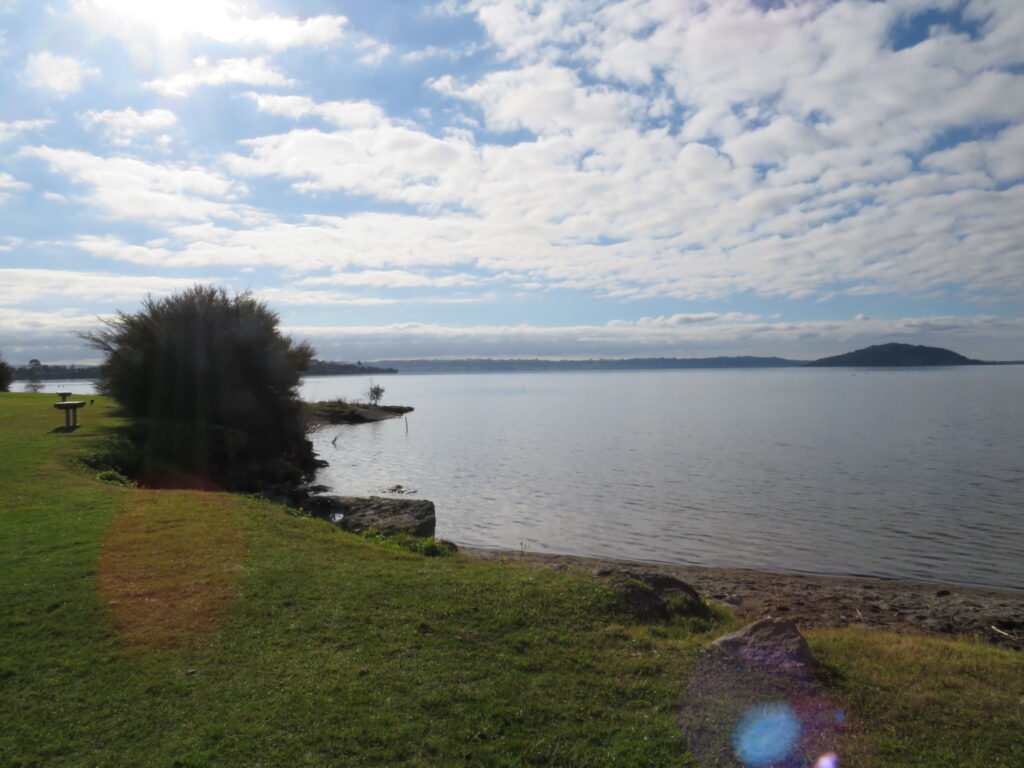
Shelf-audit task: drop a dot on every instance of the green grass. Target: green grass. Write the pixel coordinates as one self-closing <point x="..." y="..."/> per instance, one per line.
<point x="336" y="650"/>
<point x="929" y="702"/>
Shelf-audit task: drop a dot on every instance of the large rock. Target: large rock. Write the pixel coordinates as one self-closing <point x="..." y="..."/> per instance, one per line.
<point x="357" y="514"/>
<point x="652" y="596"/>
<point x="773" y="643"/>
<point x="663" y="584"/>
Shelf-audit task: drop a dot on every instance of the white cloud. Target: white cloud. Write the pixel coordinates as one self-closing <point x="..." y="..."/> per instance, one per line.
<point x="368" y="154"/>
<point x="63" y="75"/>
<point x="375" y="52"/>
<point x="547" y="100"/>
<point x="680" y="319"/>
<point x="30" y="329"/>
<point x="245" y="71"/>
<point x="297" y="297"/>
<point x="126" y="188"/>
<point x="10" y="185"/>
<point x="438" y="52"/>
<point x="14" y="128"/>
<point x="393" y="278"/>
<point x="345" y="114"/>
<point x="121" y="127"/>
<point x="224" y="21"/>
<point x="19" y="286"/>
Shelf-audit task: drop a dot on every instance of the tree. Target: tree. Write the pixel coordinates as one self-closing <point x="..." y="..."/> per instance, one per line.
<point x="374" y="393"/>
<point x="209" y="385"/>
<point x="6" y="376"/>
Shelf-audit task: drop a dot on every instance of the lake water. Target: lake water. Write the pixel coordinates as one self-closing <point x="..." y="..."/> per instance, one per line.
<point x="913" y="474"/>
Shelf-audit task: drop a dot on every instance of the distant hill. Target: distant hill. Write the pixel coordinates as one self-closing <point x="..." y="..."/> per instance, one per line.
<point x="328" y="368"/>
<point x="893" y="355"/>
<point x="487" y="365"/>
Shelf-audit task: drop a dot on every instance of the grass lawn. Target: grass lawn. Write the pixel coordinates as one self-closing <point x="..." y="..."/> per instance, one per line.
<point x="182" y="628"/>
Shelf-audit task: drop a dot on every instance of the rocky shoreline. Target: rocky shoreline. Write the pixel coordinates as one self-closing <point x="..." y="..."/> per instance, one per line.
<point x="992" y="615"/>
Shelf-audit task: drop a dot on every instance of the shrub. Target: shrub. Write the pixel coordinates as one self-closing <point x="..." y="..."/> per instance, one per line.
<point x="374" y="393"/>
<point x="114" y="478"/>
<point x="208" y="384"/>
<point x="6" y="376"/>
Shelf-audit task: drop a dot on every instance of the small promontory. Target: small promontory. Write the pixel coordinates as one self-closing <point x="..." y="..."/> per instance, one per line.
<point x="895" y="355"/>
<point x="342" y="412"/>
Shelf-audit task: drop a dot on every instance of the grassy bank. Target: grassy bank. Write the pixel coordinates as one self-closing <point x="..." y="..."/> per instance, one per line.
<point x="178" y="628"/>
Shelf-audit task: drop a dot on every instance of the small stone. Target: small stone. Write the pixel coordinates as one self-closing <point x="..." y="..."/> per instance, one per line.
<point x="364" y="671"/>
<point x="942" y="593"/>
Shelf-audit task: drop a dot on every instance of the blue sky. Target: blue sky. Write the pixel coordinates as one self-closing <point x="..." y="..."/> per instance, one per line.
<point x="568" y="178"/>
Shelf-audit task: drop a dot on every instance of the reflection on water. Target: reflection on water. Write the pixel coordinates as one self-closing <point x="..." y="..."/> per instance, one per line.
<point x="914" y="474"/>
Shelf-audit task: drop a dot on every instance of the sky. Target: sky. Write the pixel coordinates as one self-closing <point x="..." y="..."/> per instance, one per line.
<point x="516" y="178"/>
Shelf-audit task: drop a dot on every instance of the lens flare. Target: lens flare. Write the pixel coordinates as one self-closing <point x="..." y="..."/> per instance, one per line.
<point x="766" y="734"/>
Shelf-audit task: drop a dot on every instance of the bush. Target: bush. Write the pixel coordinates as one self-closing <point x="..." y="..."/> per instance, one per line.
<point x="209" y="386"/>
<point x="6" y="376"/>
<point x="374" y="393"/>
<point x="114" y="478"/>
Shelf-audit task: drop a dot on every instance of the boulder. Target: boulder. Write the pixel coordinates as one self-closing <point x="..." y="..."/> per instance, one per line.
<point x="773" y="643"/>
<point x="357" y="514"/>
<point x="651" y="595"/>
<point x="663" y="584"/>
<point x="641" y="602"/>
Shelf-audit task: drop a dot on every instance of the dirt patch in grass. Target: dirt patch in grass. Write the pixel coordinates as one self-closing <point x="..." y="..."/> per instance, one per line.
<point x="170" y="566"/>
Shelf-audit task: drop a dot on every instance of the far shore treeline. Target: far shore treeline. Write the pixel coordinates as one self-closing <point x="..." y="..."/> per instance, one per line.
<point x="876" y="356"/>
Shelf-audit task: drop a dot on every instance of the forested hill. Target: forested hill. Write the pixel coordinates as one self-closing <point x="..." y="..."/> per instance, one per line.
<point x="488" y="365"/>
<point x="891" y="355"/>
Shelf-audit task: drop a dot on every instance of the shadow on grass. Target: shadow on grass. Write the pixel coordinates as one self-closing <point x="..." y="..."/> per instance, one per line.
<point x="65" y="430"/>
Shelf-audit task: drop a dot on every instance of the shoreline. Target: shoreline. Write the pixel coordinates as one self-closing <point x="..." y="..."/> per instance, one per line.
<point x="993" y="615"/>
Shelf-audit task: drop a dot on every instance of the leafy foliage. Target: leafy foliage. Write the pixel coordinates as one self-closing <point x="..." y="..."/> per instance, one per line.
<point x="374" y="393"/>
<point x="6" y="376"/>
<point x="209" y="386"/>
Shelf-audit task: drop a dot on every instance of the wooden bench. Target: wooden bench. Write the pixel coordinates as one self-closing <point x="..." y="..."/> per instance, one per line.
<point x="63" y="396"/>
<point x="70" y="408"/>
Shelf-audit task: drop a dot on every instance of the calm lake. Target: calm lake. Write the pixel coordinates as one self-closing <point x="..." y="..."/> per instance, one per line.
<point x="912" y="474"/>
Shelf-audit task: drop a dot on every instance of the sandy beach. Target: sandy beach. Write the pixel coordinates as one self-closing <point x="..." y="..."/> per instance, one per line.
<point x="992" y="615"/>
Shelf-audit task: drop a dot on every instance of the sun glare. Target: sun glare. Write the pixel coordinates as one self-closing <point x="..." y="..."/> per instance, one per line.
<point x="218" y="19"/>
